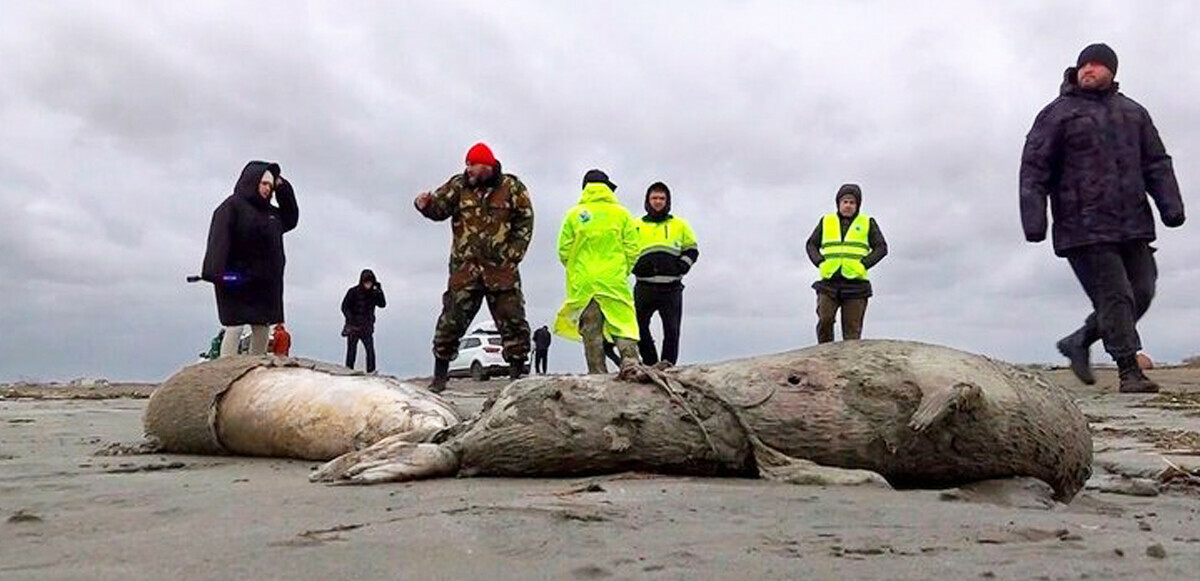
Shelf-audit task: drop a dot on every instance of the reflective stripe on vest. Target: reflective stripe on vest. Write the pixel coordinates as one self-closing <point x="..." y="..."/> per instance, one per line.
<point x="844" y="254"/>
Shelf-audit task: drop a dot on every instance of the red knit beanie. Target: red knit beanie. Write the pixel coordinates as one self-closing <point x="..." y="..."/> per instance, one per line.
<point x="481" y="154"/>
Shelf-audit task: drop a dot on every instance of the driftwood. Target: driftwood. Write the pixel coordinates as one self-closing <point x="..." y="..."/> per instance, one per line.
<point x="916" y="415"/>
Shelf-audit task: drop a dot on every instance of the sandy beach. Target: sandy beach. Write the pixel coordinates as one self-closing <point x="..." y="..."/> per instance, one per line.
<point x="67" y="511"/>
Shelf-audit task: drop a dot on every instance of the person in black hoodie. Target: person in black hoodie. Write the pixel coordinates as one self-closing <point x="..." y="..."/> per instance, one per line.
<point x="541" y="349"/>
<point x="1094" y="154"/>
<point x="844" y="245"/>
<point x="667" y="250"/>
<point x="245" y="260"/>
<point x="359" y="309"/>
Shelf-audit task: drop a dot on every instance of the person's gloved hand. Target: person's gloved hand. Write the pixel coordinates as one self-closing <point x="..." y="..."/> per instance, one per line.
<point x="1174" y="220"/>
<point x="684" y="266"/>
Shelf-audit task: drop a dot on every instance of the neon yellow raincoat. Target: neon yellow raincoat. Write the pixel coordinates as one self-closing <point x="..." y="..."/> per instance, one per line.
<point x="598" y="245"/>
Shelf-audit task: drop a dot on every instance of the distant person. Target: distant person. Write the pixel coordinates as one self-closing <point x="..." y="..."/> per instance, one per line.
<point x="214" y="346"/>
<point x="491" y="218"/>
<point x="1094" y="154"/>
<point x="245" y="260"/>
<point x="667" y="251"/>
<point x="358" y="309"/>
<point x="598" y="245"/>
<point x="541" y="349"/>
<point x="281" y="341"/>
<point x="843" y="247"/>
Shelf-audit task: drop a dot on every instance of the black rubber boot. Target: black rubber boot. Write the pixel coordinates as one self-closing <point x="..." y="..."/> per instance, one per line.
<point x="516" y="369"/>
<point x="1073" y="349"/>
<point x="1132" y="378"/>
<point x="441" y="375"/>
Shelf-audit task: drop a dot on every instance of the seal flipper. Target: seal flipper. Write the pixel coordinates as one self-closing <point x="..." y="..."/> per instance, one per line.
<point x="392" y="459"/>
<point x="936" y="404"/>
<point x="807" y="472"/>
<point x="777" y="466"/>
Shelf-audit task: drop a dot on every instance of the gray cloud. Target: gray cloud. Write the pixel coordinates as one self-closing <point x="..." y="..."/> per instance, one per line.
<point x="127" y="123"/>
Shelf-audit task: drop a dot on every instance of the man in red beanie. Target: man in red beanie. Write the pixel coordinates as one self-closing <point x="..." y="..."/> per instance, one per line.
<point x="1094" y="155"/>
<point x="492" y="223"/>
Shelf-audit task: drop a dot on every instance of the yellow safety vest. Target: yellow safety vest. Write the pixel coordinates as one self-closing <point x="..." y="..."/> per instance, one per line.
<point x="844" y="254"/>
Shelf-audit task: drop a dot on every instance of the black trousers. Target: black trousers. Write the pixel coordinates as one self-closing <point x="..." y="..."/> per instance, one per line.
<point x="368" y="342"/>
<point x="667" y="301"/>
<point x="539" y="360"/>
<point x="1119" y="279"/>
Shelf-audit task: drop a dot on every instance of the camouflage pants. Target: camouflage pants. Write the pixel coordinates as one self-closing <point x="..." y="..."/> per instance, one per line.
<point x="591" y="328"/>
<point x="458" y="310"/>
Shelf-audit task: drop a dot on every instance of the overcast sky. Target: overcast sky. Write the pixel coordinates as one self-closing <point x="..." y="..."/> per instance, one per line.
<point x="127" y="123"/>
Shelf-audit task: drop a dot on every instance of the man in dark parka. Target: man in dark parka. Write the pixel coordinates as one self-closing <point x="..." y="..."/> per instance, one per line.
<point x="245" y="259"/>
<point x="358" y="307"/>
<point x="1094" y="154"/>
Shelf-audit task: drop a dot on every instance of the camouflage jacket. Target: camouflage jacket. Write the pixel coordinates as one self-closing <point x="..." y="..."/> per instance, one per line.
<point x="492" y="225"/>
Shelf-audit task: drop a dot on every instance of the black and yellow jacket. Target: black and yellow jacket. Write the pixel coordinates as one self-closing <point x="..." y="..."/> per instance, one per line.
<point x="666" y="246"/>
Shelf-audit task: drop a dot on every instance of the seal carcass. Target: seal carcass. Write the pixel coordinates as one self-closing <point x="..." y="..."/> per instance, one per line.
<point x="918" y="415"/>
<point x="292" y="408"/>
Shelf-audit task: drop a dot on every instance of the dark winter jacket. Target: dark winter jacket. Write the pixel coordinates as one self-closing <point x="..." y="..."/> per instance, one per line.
<point x="245" y="258"/>
<point x="359" y="305"/>
<point x="541" y="339"/>
<point x="1095" y="155"/>
<point x="839" y="286"/>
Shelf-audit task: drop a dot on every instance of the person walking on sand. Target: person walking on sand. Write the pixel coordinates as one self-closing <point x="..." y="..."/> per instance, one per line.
<point x="541" y="349"/>
<point x="598" y="245"/>
<point x="245" y="260"/>
<point x="358" y="309"/>
<point x="1095" y="154"/>
<point x="667" y="251"/>
<point x="843" y="247"/>
<point x="492" y="222"/>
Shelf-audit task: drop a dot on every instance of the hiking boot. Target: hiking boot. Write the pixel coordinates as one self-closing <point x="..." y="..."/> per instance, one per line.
<point x="1079" y="355"/>
<point x="441" y="375"/>
<point x="515" y="370"/>
<point x="1132" y="378"/>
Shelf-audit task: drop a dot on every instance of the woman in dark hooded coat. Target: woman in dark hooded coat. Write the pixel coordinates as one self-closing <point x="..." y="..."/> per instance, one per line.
<point x="245" y="258"/>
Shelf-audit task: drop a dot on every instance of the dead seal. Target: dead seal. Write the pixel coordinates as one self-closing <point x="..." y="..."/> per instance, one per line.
<point x="917" y="415"/>
<point x="291" y="408"/>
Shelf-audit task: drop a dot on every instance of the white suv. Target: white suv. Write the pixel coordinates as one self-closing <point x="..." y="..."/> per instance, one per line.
<point x="480" y="354"/>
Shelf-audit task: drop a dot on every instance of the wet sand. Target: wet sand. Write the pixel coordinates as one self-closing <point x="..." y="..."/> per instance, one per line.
<point x="68" y="513"/>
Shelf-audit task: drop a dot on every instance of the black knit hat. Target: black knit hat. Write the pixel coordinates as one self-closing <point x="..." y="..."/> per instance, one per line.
<point x="849" y="190"/>
<point x="1098" y="53"/>
<point x="599" y="177"/>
